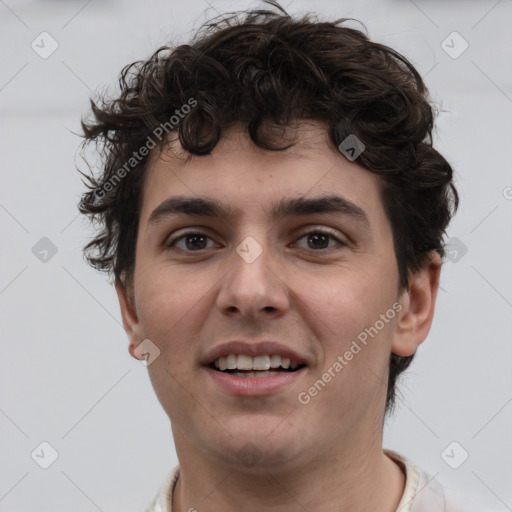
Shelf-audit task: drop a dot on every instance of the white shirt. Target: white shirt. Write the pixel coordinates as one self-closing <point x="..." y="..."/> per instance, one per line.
<point x="422" y="493"/>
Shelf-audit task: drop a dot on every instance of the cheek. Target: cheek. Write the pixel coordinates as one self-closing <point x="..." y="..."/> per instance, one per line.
<point x="347" y="300"/>
<point x="168" y="315"/>
<point x="172" y="308"/>
<point x="162" y="304"/>
<point x="348" y="309"/>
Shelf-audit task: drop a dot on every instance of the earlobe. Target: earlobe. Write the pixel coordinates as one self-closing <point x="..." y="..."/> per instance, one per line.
<point x="129" y="316"/>
<point x="418" y="304"/>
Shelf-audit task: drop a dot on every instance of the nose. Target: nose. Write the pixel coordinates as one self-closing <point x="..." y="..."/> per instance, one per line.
<point x="255" y="284"/>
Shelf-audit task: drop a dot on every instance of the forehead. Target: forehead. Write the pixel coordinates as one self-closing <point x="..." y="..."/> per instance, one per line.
<point x="246" y="180"/>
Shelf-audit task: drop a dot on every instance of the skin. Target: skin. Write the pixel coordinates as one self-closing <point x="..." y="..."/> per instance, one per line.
<point x="326" y="455"/>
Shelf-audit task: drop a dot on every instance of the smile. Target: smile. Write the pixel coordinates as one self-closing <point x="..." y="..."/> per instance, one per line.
<point x="241" y="365"/>
<point x="258" y="368"/>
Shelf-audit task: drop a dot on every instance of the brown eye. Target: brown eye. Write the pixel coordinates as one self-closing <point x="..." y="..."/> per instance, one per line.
<point x="319" y="240"/>
<point x="193" y="241"/>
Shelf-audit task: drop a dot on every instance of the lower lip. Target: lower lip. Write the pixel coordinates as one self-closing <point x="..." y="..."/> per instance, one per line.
<point x="253" y="386"/>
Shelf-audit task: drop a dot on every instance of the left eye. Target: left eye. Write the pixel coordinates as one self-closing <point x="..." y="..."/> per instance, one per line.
<point x="319" y="238"/>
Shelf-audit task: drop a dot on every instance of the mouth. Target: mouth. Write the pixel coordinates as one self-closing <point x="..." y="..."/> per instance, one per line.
<point x="258" y="368"/>
<point x="245" y="366"/>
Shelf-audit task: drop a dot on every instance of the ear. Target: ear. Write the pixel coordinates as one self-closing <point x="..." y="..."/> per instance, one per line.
<point x="418" y="303"/>
<point x="129" y="314"/>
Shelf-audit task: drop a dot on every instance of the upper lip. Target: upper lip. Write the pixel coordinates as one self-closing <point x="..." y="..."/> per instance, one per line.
<point x="253" y="349"/>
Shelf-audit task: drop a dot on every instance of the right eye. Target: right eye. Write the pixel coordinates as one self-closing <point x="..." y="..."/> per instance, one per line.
<point x="194" y="241"/>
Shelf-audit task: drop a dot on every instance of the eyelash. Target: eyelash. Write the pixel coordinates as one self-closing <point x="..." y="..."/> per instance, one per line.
<point x="170" y="244"/>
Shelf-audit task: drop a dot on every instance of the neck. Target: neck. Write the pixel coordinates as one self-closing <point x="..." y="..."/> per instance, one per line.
<point x="356" y="478"/>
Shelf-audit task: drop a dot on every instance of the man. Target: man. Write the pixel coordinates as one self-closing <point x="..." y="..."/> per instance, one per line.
<point x="273" y="212"/>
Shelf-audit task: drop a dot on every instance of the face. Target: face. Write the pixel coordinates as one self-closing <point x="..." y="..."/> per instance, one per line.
<point x="302" y="282"/>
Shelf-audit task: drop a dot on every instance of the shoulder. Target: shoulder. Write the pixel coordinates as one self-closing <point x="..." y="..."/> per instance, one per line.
<point x="428" y="493"/>
<point x="163" y="499"/>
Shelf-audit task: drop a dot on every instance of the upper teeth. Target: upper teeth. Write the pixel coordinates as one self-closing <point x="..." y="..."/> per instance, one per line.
<point x="243" y="362"/>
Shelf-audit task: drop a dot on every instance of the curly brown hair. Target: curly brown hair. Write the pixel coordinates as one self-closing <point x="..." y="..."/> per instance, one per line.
<point x="265" y="66"/>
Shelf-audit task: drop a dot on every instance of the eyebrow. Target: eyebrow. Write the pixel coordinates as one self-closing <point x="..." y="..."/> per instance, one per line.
<point x="284" y="208"/>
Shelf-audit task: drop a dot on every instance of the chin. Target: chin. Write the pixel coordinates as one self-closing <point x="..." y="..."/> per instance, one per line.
<point x="259" y="449"/>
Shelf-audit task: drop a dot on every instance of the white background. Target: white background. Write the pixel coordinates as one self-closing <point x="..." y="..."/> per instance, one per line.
<point x="66" y="375"/>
